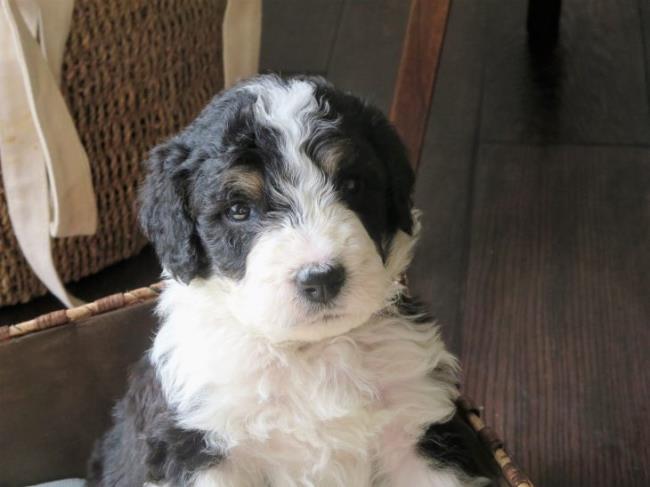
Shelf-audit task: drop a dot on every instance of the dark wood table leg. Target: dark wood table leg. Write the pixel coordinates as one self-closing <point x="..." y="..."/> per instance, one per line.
<point x="416" y="75"/>
<point x="543" y="24"/>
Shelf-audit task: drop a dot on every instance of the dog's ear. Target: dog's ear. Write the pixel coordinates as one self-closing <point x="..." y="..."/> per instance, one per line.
<point x="401" y="178"/>
<point x="165" y="213"/>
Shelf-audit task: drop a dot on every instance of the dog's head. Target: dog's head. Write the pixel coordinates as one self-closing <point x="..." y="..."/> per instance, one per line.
<point x="289" y="197"/>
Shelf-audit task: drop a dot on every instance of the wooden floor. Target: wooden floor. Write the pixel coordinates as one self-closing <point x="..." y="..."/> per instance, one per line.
<point x="535" y="187"/>
<point x="535" y="182"/>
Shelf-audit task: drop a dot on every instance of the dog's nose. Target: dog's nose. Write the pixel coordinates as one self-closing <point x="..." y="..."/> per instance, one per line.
<point x="321" y="283"/>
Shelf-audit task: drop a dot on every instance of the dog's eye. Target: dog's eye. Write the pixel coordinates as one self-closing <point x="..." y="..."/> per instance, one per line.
<point x="351" y="185"/>
<point x="238" y="212"/>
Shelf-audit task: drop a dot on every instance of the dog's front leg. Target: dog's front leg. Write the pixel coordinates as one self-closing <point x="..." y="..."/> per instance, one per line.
<point x="227" y="475"/>
<point x="208" y="479"/>
<point x="401" y="464"/>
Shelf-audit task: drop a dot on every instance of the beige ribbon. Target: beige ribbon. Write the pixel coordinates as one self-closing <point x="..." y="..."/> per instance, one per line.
<point x="45" y="168"/>
<point x="242" y="31"/>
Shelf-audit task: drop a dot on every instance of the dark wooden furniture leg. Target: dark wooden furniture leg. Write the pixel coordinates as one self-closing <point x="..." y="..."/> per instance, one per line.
<point x="543" y="24"/>
<point x="417" y="72"/>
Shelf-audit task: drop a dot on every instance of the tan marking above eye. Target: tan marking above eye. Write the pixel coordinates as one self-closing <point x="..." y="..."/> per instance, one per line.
<point x="331" y="157"/>
<point x="244" y="180"/>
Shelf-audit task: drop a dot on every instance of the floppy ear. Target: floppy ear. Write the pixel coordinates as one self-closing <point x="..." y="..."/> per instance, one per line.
<point x="401" y="178"/>
<point x="165" y="213"/>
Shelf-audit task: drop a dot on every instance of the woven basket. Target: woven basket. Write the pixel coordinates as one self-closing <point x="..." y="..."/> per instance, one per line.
<point x="59" y="356"/>
<point x="134" y="72"/>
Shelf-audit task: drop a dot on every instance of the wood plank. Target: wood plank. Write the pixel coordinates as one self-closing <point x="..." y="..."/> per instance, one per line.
<point x="557" y="314"/>
<point x="443" y="186"/>
<point x="645" y="29"/>
<point x="437" y="275"/>
<point x="417" y="72"/>
<point x="368" y="48"/>
<point x="593" y="90"/>
<point x="298" y="35"/>
<point x="455" y="107"/>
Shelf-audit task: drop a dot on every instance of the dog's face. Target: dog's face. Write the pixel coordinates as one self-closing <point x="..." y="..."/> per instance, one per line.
<point x="291" y="199"/>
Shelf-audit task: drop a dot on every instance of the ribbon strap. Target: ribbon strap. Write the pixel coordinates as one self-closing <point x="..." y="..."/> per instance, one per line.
<point x="45" y="168"/>
<point x="242" y="31"/>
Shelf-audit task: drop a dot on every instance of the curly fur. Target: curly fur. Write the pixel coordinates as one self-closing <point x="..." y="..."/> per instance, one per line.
<point x="248" y="383"/>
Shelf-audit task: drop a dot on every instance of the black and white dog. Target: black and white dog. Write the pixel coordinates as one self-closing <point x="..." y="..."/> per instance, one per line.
<point x="287" y="354"/>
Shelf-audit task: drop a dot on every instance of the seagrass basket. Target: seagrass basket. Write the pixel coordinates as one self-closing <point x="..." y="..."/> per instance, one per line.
<point x="134" y="72"/>
<point x="61" y="373"/>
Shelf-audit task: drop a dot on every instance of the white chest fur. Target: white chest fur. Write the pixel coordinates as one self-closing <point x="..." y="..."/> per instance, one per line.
<point x="337" y="412"/>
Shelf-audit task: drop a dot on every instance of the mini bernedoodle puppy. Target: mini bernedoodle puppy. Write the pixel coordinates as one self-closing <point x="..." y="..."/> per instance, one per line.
<point x="288" y="353"/>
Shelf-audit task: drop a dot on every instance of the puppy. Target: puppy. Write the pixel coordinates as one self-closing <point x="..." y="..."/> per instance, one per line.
<point x="288" y="354"/>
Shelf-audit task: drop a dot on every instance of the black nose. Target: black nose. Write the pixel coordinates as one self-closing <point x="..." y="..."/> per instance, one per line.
<point x="320" y="283"/>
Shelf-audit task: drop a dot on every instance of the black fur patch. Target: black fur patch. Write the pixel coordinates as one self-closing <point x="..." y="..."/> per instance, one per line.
<point x="145" y="443"/>
<point x="414" y="309"/>
<point x="454" y="444"/>
<point x="376" y="155"/>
